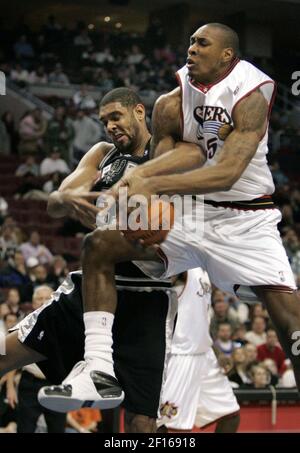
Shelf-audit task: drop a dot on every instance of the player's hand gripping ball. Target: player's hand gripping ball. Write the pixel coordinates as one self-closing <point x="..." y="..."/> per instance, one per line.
<point x="158" y="222"/>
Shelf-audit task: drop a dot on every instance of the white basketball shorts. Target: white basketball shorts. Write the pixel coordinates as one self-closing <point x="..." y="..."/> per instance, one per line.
<point x="236" y="247"/>
<point x="195" y="392"/>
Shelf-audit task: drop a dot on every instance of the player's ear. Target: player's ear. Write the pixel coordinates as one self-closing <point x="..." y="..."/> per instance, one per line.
<point x="227" y="54"/>
<point x="139" y="112"/>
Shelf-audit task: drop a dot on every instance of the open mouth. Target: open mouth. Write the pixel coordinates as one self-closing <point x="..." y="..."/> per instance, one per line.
<point x="119" y="137"/>
<point x="190" y="63"/>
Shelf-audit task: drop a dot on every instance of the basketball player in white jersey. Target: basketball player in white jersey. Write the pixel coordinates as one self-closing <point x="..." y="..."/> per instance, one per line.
<point x="195" y="391"/>
<point x="222" y="107"/>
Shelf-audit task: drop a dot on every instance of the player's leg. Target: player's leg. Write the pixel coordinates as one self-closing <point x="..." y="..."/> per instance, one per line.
<point x="228" y="424"/>
<point x="137" y="423"/>
<point x="17" y="354"/>
<point x="217" y="402"/>
<point x="284" y="311"/>
<point x="93" y="381"/>
<point x="101" y="251"/>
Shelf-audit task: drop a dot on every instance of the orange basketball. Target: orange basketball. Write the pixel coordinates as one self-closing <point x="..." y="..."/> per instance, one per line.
<point x="160" y="220"/>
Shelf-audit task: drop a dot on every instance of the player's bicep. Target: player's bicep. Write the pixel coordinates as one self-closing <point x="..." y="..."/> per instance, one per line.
<point x="164" y="126"/>
<point x="251" y="115"/>
<point x="250" y="119"/>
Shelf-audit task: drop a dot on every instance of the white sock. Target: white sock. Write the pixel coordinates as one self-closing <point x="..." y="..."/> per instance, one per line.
<point x="98" y="340"/>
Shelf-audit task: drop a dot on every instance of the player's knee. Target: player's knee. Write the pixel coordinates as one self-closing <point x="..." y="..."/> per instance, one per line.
<point x="97" y="244"/>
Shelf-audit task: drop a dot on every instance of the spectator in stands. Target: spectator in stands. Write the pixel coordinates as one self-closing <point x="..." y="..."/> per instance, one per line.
<point x="41" y="295"/>
<point x="82" y="99"/>
<point x="250" y="351"/>
<point x="259" y="378"/>
<point x="15" y="273"/>
<point x="8" y="243"/>
<point x="225" y="362"/>
<point x="256" y="309"/>
<point x="135" y="56"/>
<point x="271" y="350"/>
<point x="23" y="50"/>
<point x="53" y="183"/>
<point x="38" y="76"/>
<point x="221" y="313"/>
<point x="83" y="421"/>
<point x="57" y="271"/>
<point x="54" y="163"/>
<point x="60" y="132"/>
<point x="42" y="277"/>
<point x="83" y="39"/>
<point x="10" y="320"/>
<point x="34" y="248"/>
<point x="12" y="303"/>
<point x="19" y="75"/>
<point x="238" y="373"/>
<point x="87" y="133"/>
<point x="28" y="167"/>
<point x="291" y="242"/>
<point x="32" y="129"/>
<point x="257" y="335"/>
<point x="239" y="335"/>
<point x="9" y="122"/>
<point x="270" y="365"/>
<point x="223" y="342"/>
<point x="104" y="56"/>
<point x="58" y="76"/>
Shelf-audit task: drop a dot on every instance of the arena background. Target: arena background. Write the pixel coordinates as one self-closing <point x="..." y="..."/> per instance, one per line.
<point x="58" y="59"/>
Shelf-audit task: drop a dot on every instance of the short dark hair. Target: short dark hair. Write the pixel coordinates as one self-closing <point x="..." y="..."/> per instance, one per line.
<point x="126" y="97"/>
<point x="230" y="37"/>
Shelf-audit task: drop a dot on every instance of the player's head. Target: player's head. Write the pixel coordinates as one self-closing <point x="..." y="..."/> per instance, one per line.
<point x="212" y="48"/>
<point x="123" y="115"/>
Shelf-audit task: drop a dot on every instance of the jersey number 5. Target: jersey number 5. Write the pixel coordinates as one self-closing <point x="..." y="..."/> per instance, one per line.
<point x="211" y="146"/>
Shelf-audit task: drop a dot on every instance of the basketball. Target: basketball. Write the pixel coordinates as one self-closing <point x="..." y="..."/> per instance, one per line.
<point x="159" y="220"/>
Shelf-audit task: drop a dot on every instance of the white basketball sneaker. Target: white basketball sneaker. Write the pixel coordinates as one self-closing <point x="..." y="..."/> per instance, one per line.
<point x="83" y="387"/>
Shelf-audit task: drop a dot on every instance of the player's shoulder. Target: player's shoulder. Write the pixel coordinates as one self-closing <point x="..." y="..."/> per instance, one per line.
<point x="249" y="70"/>
<point x="98" y="151"/>
<point x="169" y="103"/>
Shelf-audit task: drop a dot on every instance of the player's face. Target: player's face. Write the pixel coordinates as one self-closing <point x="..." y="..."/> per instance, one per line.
<point x="206" y="55"/>
<point x="121" y="125"/>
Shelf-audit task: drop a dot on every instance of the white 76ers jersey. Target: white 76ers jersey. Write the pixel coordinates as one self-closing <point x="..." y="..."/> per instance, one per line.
<point x="207" y="121"/>
<point x="191" y="335"/>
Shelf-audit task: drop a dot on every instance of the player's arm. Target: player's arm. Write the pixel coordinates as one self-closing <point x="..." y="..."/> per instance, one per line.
<point x="171" y="155"/>
<point x="73" y="196"/>
<point x="250" y="120"/>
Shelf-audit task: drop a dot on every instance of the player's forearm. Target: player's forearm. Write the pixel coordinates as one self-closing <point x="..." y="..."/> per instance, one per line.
<point x="234" y="158"/>
<point x="178" y="160"/>
<point x="194" y="182"/>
